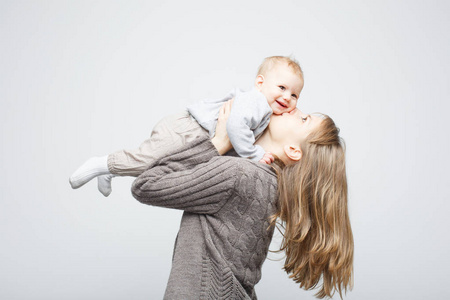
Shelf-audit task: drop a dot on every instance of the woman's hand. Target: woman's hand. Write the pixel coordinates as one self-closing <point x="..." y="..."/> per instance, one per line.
<point x="220" y="139"/>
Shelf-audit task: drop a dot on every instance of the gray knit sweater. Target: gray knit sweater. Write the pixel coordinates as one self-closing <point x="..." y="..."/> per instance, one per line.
<point x="223" y="238"/>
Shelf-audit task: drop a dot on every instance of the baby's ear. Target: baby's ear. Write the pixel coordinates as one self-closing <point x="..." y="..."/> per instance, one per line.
<point x="259" y="81"/>
<point x="293" y="152"/>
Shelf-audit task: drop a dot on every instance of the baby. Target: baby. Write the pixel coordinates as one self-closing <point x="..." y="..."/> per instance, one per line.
<point x="277" y="87"/>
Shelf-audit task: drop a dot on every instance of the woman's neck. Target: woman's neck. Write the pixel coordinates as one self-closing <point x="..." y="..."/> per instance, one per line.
<point x="265" y="142"/>
<point x="268" y="144"/>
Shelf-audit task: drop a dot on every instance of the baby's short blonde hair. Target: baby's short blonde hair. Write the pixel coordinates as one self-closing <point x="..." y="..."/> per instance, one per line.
<point x="270" y="62"/>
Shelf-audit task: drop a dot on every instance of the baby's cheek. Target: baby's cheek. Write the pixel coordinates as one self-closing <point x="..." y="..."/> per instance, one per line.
<point x="293" y="104"/>
<point x="293" y="111"/>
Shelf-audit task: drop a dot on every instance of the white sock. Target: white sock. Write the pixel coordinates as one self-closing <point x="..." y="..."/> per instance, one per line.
<point x="104" y="184"/>
<point x="92" y="168"/>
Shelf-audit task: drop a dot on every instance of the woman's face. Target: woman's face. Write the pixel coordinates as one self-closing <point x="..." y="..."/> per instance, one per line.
<point x="292" y="128"/>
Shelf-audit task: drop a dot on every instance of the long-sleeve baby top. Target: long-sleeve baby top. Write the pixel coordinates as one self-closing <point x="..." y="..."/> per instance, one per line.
<point x="249" y="116"/>
<point x="224" y="234"/>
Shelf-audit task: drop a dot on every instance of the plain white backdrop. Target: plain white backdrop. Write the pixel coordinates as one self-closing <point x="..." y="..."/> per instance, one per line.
<point x="84" y="78"/>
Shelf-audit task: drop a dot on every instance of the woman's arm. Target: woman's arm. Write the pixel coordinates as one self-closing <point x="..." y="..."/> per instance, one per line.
<point x="194" y="178"/>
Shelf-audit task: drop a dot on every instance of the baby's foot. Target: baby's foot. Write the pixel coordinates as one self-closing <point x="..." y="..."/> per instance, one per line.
<point x="92" y="168"/>
<point x="104" y="184"/>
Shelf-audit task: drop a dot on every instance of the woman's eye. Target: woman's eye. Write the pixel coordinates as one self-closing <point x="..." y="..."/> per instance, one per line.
<point x="304" y="119"/>
<point x="282" y="88"/>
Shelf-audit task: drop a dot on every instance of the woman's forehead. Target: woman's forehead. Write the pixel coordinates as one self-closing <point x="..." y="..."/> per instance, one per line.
<point x="316" y="119"/>
<point x="318" y="114"/>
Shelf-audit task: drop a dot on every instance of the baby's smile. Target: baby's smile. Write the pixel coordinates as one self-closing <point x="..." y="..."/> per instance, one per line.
<point x="281" y="103"/>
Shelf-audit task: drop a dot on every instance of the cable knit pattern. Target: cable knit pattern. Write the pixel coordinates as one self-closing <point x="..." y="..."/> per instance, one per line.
<point x="224" y="237"/>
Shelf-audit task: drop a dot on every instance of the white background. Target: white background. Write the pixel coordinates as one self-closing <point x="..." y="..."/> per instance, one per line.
<point x="79" y="79"/>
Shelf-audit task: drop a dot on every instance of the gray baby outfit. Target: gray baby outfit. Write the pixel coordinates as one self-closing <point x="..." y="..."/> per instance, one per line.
<point x="224" y="234"/>
<point x="249" y="116"/>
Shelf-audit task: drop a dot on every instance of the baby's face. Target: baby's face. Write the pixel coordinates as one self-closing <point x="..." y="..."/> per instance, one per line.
<point x="281" y="87"/>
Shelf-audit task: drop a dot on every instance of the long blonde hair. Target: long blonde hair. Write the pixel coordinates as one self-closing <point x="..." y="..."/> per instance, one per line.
<point x="313" y="212"/>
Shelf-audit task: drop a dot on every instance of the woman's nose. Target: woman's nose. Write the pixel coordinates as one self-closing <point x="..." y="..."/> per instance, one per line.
<point x="303" y="115"/>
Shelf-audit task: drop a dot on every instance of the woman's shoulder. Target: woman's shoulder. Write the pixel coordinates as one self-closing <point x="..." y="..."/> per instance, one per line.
<point x="247" y="170"/>
<point x="253" y="183"/>
<point x="254" y="186"/>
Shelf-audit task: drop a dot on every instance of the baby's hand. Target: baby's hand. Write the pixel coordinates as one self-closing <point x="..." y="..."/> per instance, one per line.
<point x="267" y="158"/>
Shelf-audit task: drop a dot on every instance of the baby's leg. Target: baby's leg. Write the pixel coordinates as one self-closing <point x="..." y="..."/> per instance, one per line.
<point x="104" y="184"/>
<point x="170" y="133"/>
<point x="93" y="167"/>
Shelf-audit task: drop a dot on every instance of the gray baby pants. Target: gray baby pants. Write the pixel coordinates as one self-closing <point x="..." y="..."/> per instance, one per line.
<point x="168" y="134"/>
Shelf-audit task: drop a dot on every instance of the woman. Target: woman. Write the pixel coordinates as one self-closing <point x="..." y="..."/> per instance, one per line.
<point x="231" y="204"/>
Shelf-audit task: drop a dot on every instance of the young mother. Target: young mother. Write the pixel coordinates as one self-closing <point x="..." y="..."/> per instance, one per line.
<point x="231" y="205"/>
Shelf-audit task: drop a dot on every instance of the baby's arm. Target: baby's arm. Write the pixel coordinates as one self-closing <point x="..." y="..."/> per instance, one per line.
<point x="249" y="112"/>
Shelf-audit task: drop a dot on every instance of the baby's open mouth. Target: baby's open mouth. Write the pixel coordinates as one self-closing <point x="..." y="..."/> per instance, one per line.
<point x="281" y="104"/>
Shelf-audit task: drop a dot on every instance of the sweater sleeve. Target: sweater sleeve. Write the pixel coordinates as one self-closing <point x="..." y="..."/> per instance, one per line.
<point x="249" y="112"/>
<point x="194" y="178"/>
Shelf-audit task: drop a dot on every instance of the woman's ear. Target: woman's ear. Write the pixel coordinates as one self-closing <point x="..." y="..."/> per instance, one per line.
<point x="293" y="152"/>
<point x="259" y="81"/>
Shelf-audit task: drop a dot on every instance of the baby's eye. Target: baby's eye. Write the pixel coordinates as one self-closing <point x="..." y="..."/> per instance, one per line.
<point x="294" y="96"/>
<point x="304" y="119"/>
<point x="282" y="87"/>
